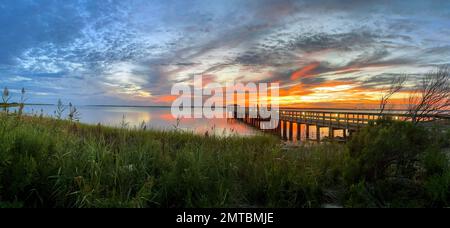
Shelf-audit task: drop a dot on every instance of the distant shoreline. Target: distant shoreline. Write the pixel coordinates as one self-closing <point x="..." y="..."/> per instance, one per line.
<point x="290" y="108"/>
<point x="166" y="106"/>
<point x="41" y="104"/>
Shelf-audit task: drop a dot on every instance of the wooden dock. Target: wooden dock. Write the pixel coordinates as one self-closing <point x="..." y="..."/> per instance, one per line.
<point x="318" y="125"/>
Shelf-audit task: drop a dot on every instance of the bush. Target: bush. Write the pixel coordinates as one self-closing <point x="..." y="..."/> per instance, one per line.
<point x="396" y="164"/>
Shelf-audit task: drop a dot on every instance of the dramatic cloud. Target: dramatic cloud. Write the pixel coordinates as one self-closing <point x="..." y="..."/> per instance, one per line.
<point x="132" y="51"/>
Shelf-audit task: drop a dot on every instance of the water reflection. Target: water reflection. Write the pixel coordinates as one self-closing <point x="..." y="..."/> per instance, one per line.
<point x="154" y="117"/>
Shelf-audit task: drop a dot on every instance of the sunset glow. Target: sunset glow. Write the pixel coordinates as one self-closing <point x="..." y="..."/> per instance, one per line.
<point x="323" y="54"/>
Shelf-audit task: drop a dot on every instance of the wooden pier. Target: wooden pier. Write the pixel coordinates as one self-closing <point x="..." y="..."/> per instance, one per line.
<point x="317" y="125"/>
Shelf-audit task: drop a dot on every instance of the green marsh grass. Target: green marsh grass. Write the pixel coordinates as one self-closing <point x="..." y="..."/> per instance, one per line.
<point x="46" y="162"/>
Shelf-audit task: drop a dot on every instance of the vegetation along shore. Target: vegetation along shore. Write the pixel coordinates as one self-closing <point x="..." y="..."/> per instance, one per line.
<point x="60" y="163"/>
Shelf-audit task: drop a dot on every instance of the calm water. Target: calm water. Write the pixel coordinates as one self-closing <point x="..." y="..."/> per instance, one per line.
<point x="154" y="117"/>
<point x="161" y="118"/>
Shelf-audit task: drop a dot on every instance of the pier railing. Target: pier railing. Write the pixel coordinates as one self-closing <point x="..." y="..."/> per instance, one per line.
<point x="347" y="121"/>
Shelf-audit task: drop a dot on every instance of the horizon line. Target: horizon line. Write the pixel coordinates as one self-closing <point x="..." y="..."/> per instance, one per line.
<point x="168" y="106"/>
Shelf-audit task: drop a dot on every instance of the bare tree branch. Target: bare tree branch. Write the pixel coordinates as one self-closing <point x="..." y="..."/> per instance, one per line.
<point x="432" y="96"/>
<point x="396" y="85"/>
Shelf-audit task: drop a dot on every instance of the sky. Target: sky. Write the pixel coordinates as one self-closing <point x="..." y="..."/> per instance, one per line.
<point x="131" y="52"/>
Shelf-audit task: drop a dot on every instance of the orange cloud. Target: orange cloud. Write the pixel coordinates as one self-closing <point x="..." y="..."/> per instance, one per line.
<point x="305" y="71"/>
<point x="165" y="99"/>
<point x="298" y="89"/>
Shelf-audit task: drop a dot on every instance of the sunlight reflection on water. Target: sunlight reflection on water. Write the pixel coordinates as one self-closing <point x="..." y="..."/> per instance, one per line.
<point x="154" y="117"/>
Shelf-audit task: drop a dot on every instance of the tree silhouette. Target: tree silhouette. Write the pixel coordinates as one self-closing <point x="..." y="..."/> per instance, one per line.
<point x="432" y="96"/>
